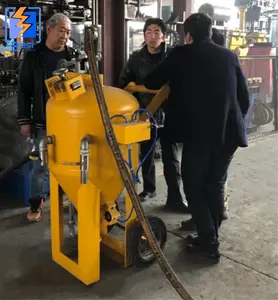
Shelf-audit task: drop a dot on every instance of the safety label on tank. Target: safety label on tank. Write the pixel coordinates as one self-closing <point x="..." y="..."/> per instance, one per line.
<point x="70" y="163"/>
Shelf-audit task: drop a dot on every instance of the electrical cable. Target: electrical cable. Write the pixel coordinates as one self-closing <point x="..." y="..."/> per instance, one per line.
<point x="125" y="174"/>
<point x="154" y="123"/>
<point x="120" y="116"/>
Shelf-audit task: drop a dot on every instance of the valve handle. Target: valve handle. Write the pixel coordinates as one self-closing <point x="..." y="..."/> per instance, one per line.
<point x="61" y="73"/>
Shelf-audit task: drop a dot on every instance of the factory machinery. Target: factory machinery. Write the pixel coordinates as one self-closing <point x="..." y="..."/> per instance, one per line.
<point x="93" y="155"/>
<point x="253" y="45"/>
<point x="8" y="76"/>
<point x="255" y="20"/>
<point x="251" y="42"/>
<point x="93" y="120"/>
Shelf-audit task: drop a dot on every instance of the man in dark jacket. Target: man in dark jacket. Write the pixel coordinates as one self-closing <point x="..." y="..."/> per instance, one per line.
<point x="140" y="64"/>
<point x="37" y="66"/>
<point x="219" y="39"/>
<point x="206" y="108"/>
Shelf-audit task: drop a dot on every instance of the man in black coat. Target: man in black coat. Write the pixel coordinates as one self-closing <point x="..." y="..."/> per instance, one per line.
<point x="207" y="104"/>
<point x="37" y="66"/>
<point x="141" y="63"/>
<point x="219" y="39"/>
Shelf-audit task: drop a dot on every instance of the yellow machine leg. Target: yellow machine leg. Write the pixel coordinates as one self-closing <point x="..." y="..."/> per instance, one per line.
<point x="57" y="218"/>
<point x="87" y="267"/>
<point x="113" y="247"/>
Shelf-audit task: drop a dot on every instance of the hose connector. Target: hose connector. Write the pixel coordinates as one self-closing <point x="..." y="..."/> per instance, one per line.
<point x="85" y="158"/>
<point x="43" y="152"/>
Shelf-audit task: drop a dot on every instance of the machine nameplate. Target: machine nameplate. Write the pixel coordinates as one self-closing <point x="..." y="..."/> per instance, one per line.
<point x="75" y="85"/>
<point x="70" y="163"/>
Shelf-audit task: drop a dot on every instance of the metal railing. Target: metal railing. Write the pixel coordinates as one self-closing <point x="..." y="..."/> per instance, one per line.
<point x="261" y="74"/>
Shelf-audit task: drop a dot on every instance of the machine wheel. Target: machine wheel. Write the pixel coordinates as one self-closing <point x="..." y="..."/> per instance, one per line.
<point x="139" y="249"/>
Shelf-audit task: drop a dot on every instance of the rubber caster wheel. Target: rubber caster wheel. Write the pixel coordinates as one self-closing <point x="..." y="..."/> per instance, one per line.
<point x="139" y="249"/>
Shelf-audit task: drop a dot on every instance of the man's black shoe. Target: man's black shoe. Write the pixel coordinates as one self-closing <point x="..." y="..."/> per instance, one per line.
<point x="188" y="225"/>
<point x="181" y="207"/>
<point x="192" y="239"/>
<point x="144" y="196"/>
<point x="197" y="251"/>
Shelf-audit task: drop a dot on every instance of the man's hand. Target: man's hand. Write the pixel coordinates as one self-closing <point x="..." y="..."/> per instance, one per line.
<point x="25" y="130"/>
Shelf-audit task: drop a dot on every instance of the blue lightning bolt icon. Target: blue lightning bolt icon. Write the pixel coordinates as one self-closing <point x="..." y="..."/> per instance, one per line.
<point x="19" y="14"/>
<point x="22" y="23"/>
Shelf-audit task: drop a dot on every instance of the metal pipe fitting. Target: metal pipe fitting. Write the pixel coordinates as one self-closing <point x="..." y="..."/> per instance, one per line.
<point x="85" y="158"/>
<point x="44" y="141"/>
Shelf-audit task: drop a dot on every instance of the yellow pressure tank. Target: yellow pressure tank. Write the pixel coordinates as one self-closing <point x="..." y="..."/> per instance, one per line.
<point x="73" y="116"/>
<point x="80" y="161"/>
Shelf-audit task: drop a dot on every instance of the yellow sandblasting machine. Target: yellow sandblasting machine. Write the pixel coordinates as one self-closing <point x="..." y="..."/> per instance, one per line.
<point x="82" y="166"/>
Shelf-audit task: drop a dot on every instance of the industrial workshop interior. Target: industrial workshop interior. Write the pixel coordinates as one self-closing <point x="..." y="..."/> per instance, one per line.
<point x="77" y="150"/>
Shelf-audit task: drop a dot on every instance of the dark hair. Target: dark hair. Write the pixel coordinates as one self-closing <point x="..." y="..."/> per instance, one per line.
<point x="155" y="21"/>
<point x="198" y="25"/>
<point x="217" y="37"/>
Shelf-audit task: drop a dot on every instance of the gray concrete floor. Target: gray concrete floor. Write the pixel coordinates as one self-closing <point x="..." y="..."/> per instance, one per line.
<point x="249" y="246"/>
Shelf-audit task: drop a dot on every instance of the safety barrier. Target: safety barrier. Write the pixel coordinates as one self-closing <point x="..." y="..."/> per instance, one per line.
<point x="261" y="74"/>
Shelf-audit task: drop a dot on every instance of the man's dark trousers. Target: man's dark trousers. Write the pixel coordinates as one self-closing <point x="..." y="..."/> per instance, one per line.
<point x="204" y="172"/>
<point x="147" y="152"/>
<point x="171" y="169"/>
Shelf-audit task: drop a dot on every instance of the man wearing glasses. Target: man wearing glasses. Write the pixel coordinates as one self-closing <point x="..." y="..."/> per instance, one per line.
<point x="139" y="65"/>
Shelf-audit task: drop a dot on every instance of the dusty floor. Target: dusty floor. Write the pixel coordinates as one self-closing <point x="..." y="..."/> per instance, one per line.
<point x="248" y="269"/>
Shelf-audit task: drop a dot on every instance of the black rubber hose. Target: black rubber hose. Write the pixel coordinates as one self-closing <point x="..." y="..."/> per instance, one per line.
<point x="18" y="164"/>
<point x="125" y="173"/>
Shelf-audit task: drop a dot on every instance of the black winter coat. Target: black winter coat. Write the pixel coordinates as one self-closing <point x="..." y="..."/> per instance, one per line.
<point x="208" y="97"/>
<point x="31" y="90"/>
<point x="137" y="68"/>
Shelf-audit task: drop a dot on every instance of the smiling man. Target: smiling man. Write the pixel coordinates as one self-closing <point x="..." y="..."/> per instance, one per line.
<point x="37" y="66"/>
<point x="139" y="65"/>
